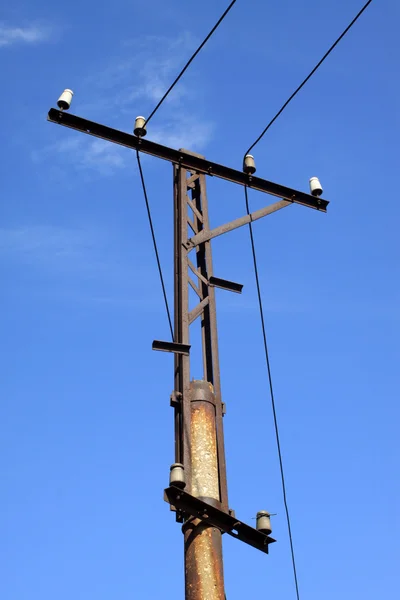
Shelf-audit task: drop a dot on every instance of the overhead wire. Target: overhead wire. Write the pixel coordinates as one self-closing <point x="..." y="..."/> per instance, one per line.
<point x="203" y="43"/>
<point x="261" y="309"/>
<point x="280" y="111"/>
<point x="155" y="244"/>
<point x="271" y="389"/>
<point x="169" y="90"/>
<point x="260" y="302"/>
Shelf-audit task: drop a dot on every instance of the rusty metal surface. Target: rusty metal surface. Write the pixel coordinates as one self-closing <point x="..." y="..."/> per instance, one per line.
<point x="209" y="512"/>
<point x="190" y="200"/>
<point x="203" y="545"/>
<point x="205" y="478"/>
<point x="209" y="330"/>
<point x="204" y="578"/>
<point x="199" y="440"/>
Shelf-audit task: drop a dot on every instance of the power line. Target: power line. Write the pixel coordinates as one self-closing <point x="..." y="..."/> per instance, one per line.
<point x="260" y="303"/>
<point x="190" y="60"/>
<point x="309" y="75"/>
<point x="155" y="244"/>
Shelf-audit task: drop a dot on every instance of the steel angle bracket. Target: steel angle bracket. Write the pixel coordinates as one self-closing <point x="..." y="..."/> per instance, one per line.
<point x="224" y="284"/>
<point x="226" y="522"/>
<point x="184" y="159"/>
<point x="171" y="347"/>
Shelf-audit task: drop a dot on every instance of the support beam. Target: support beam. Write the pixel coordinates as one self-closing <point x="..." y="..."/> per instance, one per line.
<point x="184" y="159"/>
<point x="213" y="515"/>
<point x="190" y="191"/>
<point x="204" y="236"/>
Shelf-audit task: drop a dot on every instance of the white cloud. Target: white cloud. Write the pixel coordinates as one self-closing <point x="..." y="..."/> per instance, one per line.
<point x="22" y="35"/>
<point x="147" y="72"/>
<point x="101" y="155"/>
<point x="156" y="66"/>
<point x="185" y="133"/>
<point x="83" y="153"/>
<point x="135" y="85"/>
<point x="132" y="84"/>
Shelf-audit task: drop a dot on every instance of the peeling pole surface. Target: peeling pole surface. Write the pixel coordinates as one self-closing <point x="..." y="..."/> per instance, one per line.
<point x="204" y="578"/>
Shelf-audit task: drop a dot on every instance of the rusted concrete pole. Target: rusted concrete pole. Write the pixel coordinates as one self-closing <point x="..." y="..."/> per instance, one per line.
<point x="204" y="578"/>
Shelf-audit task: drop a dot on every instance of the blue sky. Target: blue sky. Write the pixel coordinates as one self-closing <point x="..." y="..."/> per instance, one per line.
<point x="87" y="433"/>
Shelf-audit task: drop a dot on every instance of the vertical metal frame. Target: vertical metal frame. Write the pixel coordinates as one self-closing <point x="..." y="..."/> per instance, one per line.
<point x="190" y="196"/>
<point x="181" y="324"/>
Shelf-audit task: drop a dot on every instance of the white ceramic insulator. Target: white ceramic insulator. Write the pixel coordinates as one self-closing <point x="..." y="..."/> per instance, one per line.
<point x="315" y="186"/>
<point x="65" y="99"/>
<point x="140" y="127"/>
<point x="264" y="522"/>
<point x="177" y="475"/>
<point x="249" y="165"/>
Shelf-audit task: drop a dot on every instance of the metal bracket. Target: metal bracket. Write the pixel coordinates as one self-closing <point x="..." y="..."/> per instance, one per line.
<point x="215" y="517"/>
<point x="175" y="399"/>
<point x="184" y="158"/>
<point x="205" y="236"/>
<point x="171" y="347"/>
<point x="224" y="284"/>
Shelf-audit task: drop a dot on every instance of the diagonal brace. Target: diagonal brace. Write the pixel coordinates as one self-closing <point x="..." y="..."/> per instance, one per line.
<point x="204" y="236"/>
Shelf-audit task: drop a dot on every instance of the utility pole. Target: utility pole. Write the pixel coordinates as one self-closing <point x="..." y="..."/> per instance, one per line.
<point x="198" y="406"/>
<point x="198" y="484"/>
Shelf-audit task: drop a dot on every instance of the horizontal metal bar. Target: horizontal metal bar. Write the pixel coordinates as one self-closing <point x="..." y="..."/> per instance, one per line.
<point x="204" y="236"/>
<point x="224" y="284"/>
<point x="185" y="159"/>
<point x="216" y="517"/>
<point x="171" y="347"/>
